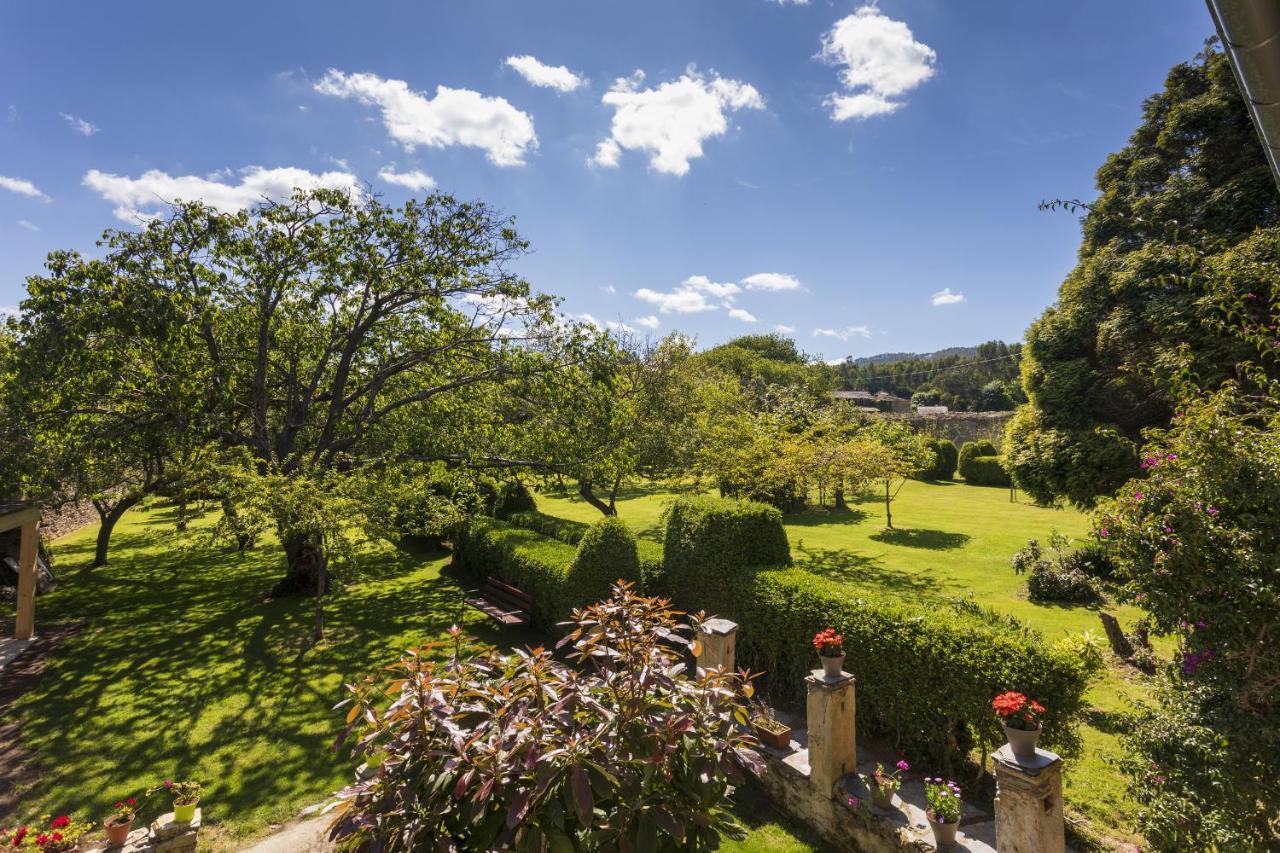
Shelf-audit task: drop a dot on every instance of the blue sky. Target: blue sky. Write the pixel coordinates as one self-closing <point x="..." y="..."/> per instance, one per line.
<point x="824" y="167"/>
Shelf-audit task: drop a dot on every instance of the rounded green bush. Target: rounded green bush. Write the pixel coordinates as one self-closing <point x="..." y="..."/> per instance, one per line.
<point x="950" y="459"/>
<point x="984" y="471"/>
<point x="607" y="553"/>
<point x="710" y="542"/>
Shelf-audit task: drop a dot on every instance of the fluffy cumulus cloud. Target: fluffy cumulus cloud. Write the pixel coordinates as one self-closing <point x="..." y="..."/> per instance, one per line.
<point x="451" y="117"/>
<point x="648" y="321"/>
<point x="784" y="329"/>
<point x="879" y="60"/>
<point x="538" y="73"/>
<point x="946" y="297"/>
<point x="671" y="122"/>
<point x="22" y="187"/>
<point x="771" y="281"/>
<point x="742" y="314"/>
<point x="27" y="224"/>
<point x="413" y="179"/>
<point x="140" y="198"/>
<point x="79" y="125"/>
<point x="843" y="334"/>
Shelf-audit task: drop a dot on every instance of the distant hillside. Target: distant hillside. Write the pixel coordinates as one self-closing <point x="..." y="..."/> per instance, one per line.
<point x="891" y="357"/>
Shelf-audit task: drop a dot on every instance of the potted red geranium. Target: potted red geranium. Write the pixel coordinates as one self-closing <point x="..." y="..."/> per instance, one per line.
<point x="60" y="835"/>
<point x="120" y="823"/>
<point x="830" y="646"/>
<point x="1022" y="721"/>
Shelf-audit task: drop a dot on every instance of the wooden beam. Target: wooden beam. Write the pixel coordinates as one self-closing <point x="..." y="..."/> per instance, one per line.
<point x="17" y="518"/>
<point x="25" y="623"/>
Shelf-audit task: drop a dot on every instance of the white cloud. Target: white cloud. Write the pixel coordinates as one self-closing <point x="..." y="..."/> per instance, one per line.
<point x="30" y="226"/>
<point x="538" y="73"/>
<point x="8" y="311"/>
<point x="452" y="117"/>
<point x="414" y="180"/>
<point x="619" y="326"/>
<point x="742" y="314"/>
<point x="22" y="187"/>
<point x="880" y="60"/>
<point x="672" y="121"/>
<point x="610" y="289"/>
<point x="946" y="297"/>
<point x="786" y="330"/>
<point x="139" y="198"/>
<point x="843" y="334"/>
<point x="722" y="290"/>
<point x="679" y="301"/>
<point x="648" y="321"/>
<point x="589" y="320"/>
<point x="79" y="125"/>
<point x="771" y="281"/>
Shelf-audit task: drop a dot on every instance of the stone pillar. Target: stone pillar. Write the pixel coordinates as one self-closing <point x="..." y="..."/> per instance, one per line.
<point x="719" y="641"/>
<point x="25" y="617"/>
<point x="832" y="722"/>
<point x="1029" y="802"/>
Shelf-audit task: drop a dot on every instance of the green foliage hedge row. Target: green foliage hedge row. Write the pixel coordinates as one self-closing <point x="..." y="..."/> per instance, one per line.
<point x="985" y="471"/>
<point x="557" y="575"/>
<point x="550" y="525"/>
<point x="926" y="675"/>
<point x="944" y="461"/>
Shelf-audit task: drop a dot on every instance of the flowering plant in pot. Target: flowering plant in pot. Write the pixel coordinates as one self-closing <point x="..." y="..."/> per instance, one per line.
<point x="882" y="783"/>
<point x="768" y="728"/>
<point x="1022" y="720"/>
<point x="943" y="797"/>
<point x="119" y="823"/>
<point x="59" y="835"/>
<point x="830" y="646"/>
<point x="186" y="796"/>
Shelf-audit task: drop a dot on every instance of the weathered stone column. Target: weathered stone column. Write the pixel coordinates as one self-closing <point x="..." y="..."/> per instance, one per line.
<point x="1029" y="802"/>
<point x="25" y="616"/>
<point x="832" y="721"/>
<point x="719" y="640"/>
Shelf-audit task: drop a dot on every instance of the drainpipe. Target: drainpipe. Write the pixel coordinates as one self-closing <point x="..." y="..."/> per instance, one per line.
<point x="1250" y="33"/>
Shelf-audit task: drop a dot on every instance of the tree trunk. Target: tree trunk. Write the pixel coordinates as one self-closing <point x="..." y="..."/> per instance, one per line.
<point x="181" y="523"/>
<point x="613" y="495"/>
<point x="306" y="568"/>
<point x="108" y="517"/>
<point x="838" y="497"/>
<point x="584" y="489"/>
<point x="888" y="500"/>
<point x="244" y="539"/>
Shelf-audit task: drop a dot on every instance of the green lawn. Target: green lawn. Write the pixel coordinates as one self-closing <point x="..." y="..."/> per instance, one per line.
<point x="181" y="670"/>
<point x="949" y="539"/>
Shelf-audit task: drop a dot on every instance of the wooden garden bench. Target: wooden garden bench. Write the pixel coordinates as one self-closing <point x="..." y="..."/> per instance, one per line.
<point x="503" y="602"/>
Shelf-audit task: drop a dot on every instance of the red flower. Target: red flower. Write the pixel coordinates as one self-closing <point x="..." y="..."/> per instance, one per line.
<point x="827" y="639"/>
<point x="19" y="835"/>
<point x="42" y="839"/>
<point x="1008" y="704"/>
<point x="1037" y="707"/>
<point x="59" y="822"/>
<point x="131" y="801"/>
<point x="57" y="836"/>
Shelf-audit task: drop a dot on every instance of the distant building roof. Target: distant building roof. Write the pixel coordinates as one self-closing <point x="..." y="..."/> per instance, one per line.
<point x="853" y="395"/>
<point x="931" y="410"/>
<point x="885" y="395"/>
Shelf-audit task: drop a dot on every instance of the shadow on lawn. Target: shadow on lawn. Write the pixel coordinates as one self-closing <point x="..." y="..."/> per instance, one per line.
<point x="856" y="568"/>
<point x="184" y="671"/>
<point x="822" y="517"/>
<point x="934" y="540"/>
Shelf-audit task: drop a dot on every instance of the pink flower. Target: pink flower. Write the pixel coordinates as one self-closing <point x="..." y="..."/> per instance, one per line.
<point x="903" y="766"/>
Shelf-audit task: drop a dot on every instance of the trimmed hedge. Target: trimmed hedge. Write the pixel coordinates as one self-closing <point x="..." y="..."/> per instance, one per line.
<point x="984" y="471"/>
<point x="970" y="449"/>
<point x="512" y="498"/>
<point x="550" y="525"/>
<point x="709" y="541"/>
<point x="933" y="469"/>
<point x="950" y="458"/>
<point x="651" y="564"/>
<point x="557" y="575"/>
<point x="926" y="674"/>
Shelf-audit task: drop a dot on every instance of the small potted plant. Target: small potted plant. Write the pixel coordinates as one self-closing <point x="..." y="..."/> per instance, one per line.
<point x="769" y="730"/>
<point x="1022" y="721"/>
<point x="62" y="834"/>
<point x="186" y="796"/>
<point x="943" y="797"/>
<point x="883" y="783"/>
<point x="120" y="823"/>
<point x="830" y="646"/>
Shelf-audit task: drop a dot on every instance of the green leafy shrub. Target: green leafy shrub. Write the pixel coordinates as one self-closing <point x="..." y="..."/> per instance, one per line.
<point x="607" y="553"/>
<point x="1093" y="559"/>
<point x="709" y="541"/>
<point x="511" y="498"/>
<point x="518" y="753"/>
<point x="1056" y="576"/>
<point x="651" y="566"/>
<point x="935" y="464"/>
<point x="970" y="449"/>
<point x="950" y="459"/>
<point x="550" y="525"/>
<point x="984" y="471"/>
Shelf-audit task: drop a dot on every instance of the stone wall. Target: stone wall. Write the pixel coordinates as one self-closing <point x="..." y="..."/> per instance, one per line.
<point x="960" y="426"/>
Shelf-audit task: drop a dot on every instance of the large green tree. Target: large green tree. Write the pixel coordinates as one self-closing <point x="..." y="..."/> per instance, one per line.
<point x="307" y="342"/>
<point x="1135" y="312"/>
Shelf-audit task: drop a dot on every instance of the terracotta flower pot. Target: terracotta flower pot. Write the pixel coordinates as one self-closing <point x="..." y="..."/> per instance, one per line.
<point x="118" y="833"/>
<point x="777" y="736"/>
<point x="185" y="813"/>
<point x="1023" y="741"/>
<point x="881" y="798"/>
<point x="832" y="667"/>
<point x="944" y="834"/>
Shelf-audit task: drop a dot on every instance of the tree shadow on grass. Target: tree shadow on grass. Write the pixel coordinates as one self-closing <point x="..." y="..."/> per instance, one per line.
<point x="934" y="540"/>
<point x="860" y="569"/>
<point x="824" y="516"/>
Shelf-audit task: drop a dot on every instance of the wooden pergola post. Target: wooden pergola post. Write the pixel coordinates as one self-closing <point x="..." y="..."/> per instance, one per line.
<point x="27" y="519"/>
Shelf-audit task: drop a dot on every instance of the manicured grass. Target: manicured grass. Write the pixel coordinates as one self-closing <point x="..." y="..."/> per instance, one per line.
<point x="181" y="670"/>
<point x="950" y="539"/>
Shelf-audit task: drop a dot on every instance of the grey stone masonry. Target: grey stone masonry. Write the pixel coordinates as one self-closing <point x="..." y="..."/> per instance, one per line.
<point x="165" y="835"/>
<point x="833" y="732"/>
<point x="1029" y="815"/>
